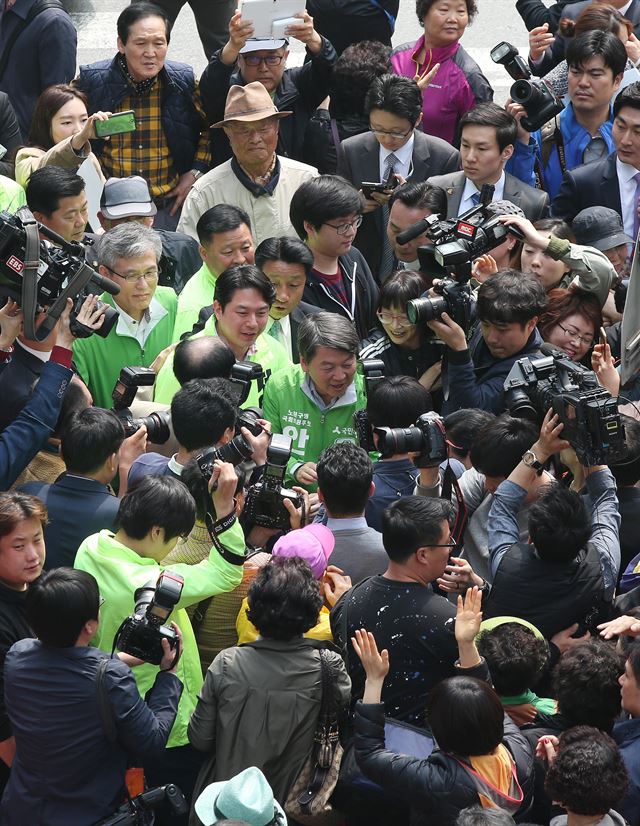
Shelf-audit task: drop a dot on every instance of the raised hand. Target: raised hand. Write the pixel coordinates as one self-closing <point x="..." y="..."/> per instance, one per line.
<point x="374" y="662"/>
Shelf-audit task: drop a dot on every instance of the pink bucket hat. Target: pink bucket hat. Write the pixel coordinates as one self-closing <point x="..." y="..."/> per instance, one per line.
<point x="314" y="544"/>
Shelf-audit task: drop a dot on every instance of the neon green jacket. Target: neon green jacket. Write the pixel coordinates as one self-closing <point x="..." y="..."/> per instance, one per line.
<point x="196" y="294"/>
<point x="12" y="195"/>
<point x="120" y="571"/>
<point x="293" y="412"/>
<point x="270" y="354"/>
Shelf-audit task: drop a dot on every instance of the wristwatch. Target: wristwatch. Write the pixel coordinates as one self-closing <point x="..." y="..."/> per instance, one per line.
<point x="197" y="173"/>
<point x="530" y="459"/>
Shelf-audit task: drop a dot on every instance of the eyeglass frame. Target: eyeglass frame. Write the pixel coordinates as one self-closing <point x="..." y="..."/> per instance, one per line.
<point x="576" y="336"/>
<point x="393" y="318"/>
<point x="250" y="60"/>
<point x="385" y="134"/>
<point x="342" y="229"/>
<point x="132" y="280"/>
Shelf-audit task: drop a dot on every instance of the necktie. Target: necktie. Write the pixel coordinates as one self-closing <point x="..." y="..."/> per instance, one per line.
<point x="387" y="257"/>
<point x="276" y="331"/>
<point x="636" y="206"/>
<point x="475" y="198"/>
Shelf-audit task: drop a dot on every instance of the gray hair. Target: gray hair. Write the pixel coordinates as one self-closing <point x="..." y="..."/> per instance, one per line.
<point x="129" y="240"/>
<point x="327" y="330"/>
<point x="478" y="816"/>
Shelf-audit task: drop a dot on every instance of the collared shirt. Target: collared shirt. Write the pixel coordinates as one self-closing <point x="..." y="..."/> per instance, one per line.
<point x="404" y="156"/>
<point x="627" y="187"/>
<point x="285" y="327"/>
<point x="309" y="389"/>
<point x="145" y="151"/>
<point x="356" y="523"/>
<point x="43" y="355"/>
<point x="140" y="330"/>
<point x="470" y="189"/>
<point x="175" y="466"/>
<point x="254" y="187"/>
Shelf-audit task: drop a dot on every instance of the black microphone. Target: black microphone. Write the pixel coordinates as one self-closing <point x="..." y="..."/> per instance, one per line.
<point x="106" y="285"/>
<point x="413" y="231"/>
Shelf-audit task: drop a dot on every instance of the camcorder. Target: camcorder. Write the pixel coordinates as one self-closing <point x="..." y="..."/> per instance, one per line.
<point x="41" y="277"/>
<point x="536" y="98"/>
<point x="264" y="505"/>
<point x="427" y="438"/>
<point x="589" y="413"/>
<point x="141" y="634"/>
<point x="236" y="451"/>
<point x="137" y="810"/>
<point x="124" y="392"/>
<point x="372" y="371"/>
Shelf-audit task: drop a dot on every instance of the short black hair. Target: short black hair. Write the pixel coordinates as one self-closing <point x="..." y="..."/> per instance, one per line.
<point x="423" y="6"/>
<point x="498" y="446"/>
<point x="585" y="683"/>
<point x="557" y="227"/>
<point x="511" y="296"/>
<point x="204" y="357"/>
<point x="398" y="95"/>
<point x="490" y="114"/>
<point x="413" y="522"/>
<point x="597" y="43"/>
<point x="421" y="195"/>
<point x="48" y="185"/>
<point x="401" y="287"/>
<point x="465" y="716"/>
<point x="479" y="816"/>
<point x="283" y="248"/>
<point x="242" y="277"/>
<point x="588" y="775"/>
<point x="220" y="218"/>
<point x="559" y="524"/>
<point x="91" y="436"/>
<point x="284" y="599"/>
<point x="462" y="428"/>
<point x="345" y="473"/>
<point x="626" y="470"/>
<point x="629" y="96"/>
<point x="59" y="603"/>
<point x="156" y="501"/>
<point x="516" y="658"/>
<point x="397" y="401"/>
<point x="139" y="11"/>
<point x="200" y="414"/>
<point x="322" y="199"/>
<point x="352" y="75"/>
<point x="633" y="655"/>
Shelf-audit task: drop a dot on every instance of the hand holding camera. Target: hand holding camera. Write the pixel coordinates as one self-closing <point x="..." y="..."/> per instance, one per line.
<point x="298" y="515"/>
<point x="90" y="316"/>
<point x="258" y="443"/>
<point x="222" y="486"/>
<point x="169" y="661"/>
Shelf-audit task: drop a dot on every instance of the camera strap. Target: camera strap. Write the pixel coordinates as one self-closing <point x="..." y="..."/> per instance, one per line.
<point x="451" y="485"/>
<point x="550" y="140"/>
<point x="215" y="528"/>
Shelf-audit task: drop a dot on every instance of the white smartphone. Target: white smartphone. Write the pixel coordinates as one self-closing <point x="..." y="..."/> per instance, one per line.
<point x="270" y="17"/>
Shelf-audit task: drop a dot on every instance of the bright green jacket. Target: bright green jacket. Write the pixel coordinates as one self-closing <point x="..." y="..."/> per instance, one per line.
<point x="196" y="294"/>
<point x="99" y="360"/>
<point x="120" y="571"/>
<point x="293" y="412"/>
<point x="12" y="195"/>
<point x="270" y="354"/>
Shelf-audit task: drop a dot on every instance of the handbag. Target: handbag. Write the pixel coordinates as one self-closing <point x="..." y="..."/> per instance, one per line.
<point x="308" y="800"/>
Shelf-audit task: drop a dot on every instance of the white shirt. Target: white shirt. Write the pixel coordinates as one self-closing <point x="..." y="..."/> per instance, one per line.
<point x="470" y="189"/>
<point x="624" y="9"/>
<point x="140" y="330"/>
<point x="404" y="166"/>
<point x="39" y="354"/>
<point x="627" y="187"/>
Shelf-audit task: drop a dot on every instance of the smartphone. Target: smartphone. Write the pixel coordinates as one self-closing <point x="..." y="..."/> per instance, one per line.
<point x="384" y="187"/>
<point x="603" y="336"/>
<point x="117" y="124"/>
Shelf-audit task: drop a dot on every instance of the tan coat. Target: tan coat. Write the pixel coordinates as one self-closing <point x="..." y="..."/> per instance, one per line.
<point x="30" y="158"/>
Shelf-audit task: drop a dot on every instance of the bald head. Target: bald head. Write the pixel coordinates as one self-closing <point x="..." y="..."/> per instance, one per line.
<point x="205" y="357"/>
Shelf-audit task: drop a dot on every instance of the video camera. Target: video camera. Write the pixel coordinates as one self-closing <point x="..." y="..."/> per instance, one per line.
<point x="33" y="274"/>
<point x="141" y="634"/>
<point x="534" y="96"/>
<point x="124" y="392"/>
<point x="372" y="370"/>
<point x="264" y="503"/>
<point x="589" y="412"/>
<point x="427" y="438"/>
<point x="136" y="812"/>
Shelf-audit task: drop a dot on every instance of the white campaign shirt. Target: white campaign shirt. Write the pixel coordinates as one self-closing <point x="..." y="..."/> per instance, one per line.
<point x="470" y="190"/>
<point x="627" y="187"/>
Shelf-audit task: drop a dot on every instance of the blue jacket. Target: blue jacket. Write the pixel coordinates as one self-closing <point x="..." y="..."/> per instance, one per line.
<point x="106" y="87"/>
<point x="575" y="137"/>
<point x="627" y="736"/>
<point x="393" y="480"/>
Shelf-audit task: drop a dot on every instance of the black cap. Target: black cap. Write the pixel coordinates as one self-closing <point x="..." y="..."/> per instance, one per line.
<point x="600" y="227"/>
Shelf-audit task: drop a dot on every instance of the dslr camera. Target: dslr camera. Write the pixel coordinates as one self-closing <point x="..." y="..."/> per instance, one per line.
<point x="236" y="451"/>
<point x="264" y="503"/>
<point x="589" y="412"/>
<point x="426" y="437"/>
<point x="124" y="392"/>
<point x="536" y="98"/>
<point x="242" y="374"/>
<point x="142" y="633"/>
<point x="372" y="371"/>
<point x="41" y="278"/>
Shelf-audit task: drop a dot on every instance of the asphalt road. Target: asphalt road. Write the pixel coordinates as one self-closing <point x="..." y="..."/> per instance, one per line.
<point x="497" y="20"/>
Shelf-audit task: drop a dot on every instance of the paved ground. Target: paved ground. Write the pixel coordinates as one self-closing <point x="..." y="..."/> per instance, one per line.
<point x="497" y="20"/>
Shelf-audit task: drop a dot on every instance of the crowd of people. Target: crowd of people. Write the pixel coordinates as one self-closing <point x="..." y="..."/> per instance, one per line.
<point x="319" y="451"/>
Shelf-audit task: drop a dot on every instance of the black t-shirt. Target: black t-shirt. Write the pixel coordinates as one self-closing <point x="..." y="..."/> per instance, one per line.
<point x="415" y="625"/>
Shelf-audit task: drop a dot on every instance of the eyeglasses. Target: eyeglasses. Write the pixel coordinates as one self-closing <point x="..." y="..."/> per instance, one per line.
<point x="574" y="335"/>
<point x="382" y="133"/>
<point x="451" y="545"/>
<point x="247" y="131"/>
<point x="388" y="318"/>
<point x="269" y="60"/>
<point x="343" y="229"/>
<point x="149" y="276"/>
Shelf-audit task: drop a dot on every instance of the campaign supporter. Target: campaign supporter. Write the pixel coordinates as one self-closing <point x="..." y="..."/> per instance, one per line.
<point x="314" y="402"/>
<point x="60" y="133"/>
<point x="354" y="20"/>
<point x="345" y="117"/>
<point x="65" y="768"/>
<point x="246" y="59"/>
<point x="10" y="137"/>
<point x="571" y="322"/>
<point x="224" y="236"/>
<point x="255" y="179"/>
<point x="487" y="138"/>
<point x="128" y="255"/>
<point x="326" y="213"/>
<point x="170" y="145"/>
<point x="459" y="83"/>
<point x="12" y="195"/>
<point x="393" y="145"/>
<point x="581" y="134"/>
<point x="242" y="299"/>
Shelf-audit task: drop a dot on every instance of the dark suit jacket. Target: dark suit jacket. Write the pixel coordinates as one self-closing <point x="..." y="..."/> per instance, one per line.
<point x="594" y="184"/>
<point x="359" y="160"/>
<point x="533" y="202"/>
<point x="17" y="382"/>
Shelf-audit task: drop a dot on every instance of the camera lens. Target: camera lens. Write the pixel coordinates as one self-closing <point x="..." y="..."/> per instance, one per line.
<point x="157" y="425"/>
<point x="392" y="440"/>
<point x="523" y="92"/>
<point x="236" y="451"/>
<point x="426" y="309"/>
<point x="519" y="405"/>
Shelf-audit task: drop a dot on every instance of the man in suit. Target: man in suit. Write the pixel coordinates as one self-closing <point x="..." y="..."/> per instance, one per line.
<point x="614" y="181"/>
<point x="487" y="137"/>
<point x="394" y="144"/>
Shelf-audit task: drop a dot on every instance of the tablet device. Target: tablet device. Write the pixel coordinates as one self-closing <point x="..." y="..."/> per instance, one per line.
<point x="271" y="17"/>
